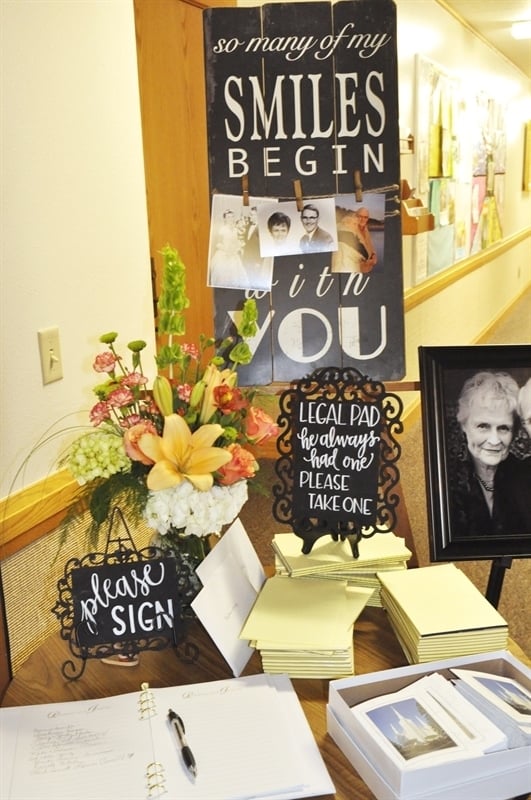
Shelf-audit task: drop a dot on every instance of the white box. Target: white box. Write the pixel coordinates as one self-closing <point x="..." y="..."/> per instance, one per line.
<point x="494" y="776"/>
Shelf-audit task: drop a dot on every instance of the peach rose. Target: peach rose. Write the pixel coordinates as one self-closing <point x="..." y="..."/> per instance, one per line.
<point x="259" y="427"/>
<point x="242" y="465"/>
<point x="131" y="437"/>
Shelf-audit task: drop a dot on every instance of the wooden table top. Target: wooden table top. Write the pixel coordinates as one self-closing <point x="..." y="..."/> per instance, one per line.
<point x="40" y="680"/>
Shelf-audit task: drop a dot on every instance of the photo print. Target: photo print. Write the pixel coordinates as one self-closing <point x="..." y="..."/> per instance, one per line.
<point x="284" y="230"/>
<point x="360" y="233"/>
<point x="235" y="261"/>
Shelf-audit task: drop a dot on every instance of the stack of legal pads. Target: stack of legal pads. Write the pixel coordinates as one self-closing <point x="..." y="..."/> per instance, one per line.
<point x="437" y="612"/>
<point x="305" y="628"/>
<point x="333" y="560"/>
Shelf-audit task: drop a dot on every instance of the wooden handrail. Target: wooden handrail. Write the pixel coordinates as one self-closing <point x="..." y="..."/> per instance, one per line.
<point x="34" y="511"/>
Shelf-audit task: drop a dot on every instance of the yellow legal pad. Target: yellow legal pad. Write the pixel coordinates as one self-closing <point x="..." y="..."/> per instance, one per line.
<point x="334" y="560"/>
<point x="305" y="628"/>
<point x="329" y="556"/>
<point x="437" y="612"/>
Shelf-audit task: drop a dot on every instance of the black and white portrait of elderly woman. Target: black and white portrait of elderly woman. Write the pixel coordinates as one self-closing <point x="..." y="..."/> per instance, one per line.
<point x="489" y="477"/>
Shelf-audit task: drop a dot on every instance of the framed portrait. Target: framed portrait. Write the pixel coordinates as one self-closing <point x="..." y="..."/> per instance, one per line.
<point x="476" y="418"/>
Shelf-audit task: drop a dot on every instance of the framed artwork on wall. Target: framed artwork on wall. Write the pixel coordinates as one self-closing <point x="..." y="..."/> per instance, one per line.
<point x="476" y="414"/>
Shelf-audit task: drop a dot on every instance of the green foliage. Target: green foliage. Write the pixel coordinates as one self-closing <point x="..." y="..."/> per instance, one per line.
<point x="172" y="301"/>
<point x="108" y="338"/>
<point x="127" y="490"/>
<point x="248" y="325"/>
<point x="241" y="353"/>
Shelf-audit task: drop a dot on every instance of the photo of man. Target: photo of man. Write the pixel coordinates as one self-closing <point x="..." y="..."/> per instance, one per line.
<point x="360" y="233"/>
<point x="315" y="239"/>
<point x="311" y="229"/>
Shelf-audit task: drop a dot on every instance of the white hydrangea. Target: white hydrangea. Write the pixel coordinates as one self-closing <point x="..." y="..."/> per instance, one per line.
<point x="98" y="454"/>
<point x="185" y="508"/>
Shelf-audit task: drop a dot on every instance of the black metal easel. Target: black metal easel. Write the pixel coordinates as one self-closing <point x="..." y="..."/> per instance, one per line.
<point x="497" y="574"/>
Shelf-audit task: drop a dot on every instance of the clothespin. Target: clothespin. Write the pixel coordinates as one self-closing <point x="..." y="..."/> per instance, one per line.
<point x="297" y="188"/>
<point x="245" y="189"/>
<point x="358" y="188"/>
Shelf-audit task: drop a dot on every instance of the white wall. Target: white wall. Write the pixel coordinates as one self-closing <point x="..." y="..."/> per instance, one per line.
<point x="75" y="250"/>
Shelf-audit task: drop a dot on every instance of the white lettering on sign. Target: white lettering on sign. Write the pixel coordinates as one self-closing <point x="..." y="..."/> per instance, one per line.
<point x="269" y="122"/>
<point x="322" y="413"/>
<point x="295" y="47"/>
<point x="137" y="584"/>
<point x="143" y="619"/>
<point x="275" y="166"/>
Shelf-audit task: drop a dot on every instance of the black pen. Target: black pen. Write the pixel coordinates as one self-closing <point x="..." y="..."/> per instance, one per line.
<point x="188" y="757"/>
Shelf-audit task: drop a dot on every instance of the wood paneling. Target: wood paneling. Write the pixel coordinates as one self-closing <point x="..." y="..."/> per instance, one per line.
<point x="5" y="666"/>
<point x="172" y="93"/>
<point x="34" y="511"/>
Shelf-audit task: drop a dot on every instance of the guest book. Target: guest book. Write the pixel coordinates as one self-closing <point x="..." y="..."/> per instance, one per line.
<point x="249" y="738"/>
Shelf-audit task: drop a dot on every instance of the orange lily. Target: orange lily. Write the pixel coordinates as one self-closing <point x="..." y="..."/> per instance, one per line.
<point x="182" y="455"/>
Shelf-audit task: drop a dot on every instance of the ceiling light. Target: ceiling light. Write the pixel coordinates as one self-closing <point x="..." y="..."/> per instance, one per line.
<point x="521" y="30"/>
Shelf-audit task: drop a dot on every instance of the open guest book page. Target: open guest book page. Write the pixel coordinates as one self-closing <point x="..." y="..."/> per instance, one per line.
<point x="249" y="738"/>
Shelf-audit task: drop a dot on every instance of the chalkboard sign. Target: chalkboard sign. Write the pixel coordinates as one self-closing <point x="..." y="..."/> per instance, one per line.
<point x="338" y="457"/>
<point x="119" y="602"/>
<point x="125" y="602"/>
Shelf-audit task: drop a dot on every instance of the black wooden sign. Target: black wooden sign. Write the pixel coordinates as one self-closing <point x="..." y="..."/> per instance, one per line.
<point x="336" y="449"/>
<point x="119" y="602"/>
<point x="338" y="457"/>
<point x="125" y="602"/>
<point x="302" y="103"/>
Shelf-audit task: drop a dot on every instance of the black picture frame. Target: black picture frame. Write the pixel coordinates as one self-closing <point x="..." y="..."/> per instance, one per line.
<point x="443" y="371"/>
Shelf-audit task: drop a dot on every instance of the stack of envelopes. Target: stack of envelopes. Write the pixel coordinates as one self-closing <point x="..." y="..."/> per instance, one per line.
<point x="305" y="628"/>
<point x="437" y="612"/>
<point x="334" y="560"/>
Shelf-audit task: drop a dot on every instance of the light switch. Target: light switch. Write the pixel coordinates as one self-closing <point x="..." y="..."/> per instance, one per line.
<point x="50" y="350"/>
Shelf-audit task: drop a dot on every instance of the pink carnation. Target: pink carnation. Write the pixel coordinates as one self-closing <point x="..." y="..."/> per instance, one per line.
<point x="242" y="465"/>
<point x="120" y="397"/>
<point x="134" y="379"/>
<point x="105" y="362"/>
<point x="131" y="437"/>
<point x="259" y="427"/>
<point x="184" y="390"/>
<point x="99" y="413"/>
<point x="190" y="350"/>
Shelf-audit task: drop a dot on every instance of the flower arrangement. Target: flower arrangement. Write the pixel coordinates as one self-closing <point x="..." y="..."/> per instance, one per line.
<point x="176" y="454"/>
